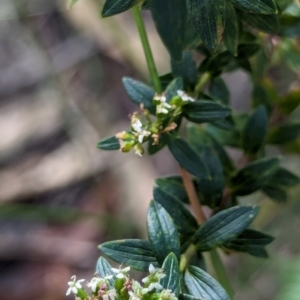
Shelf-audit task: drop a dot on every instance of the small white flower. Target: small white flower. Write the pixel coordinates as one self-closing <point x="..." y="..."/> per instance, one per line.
<point x="112" y="294"/>
<point x="143" y="134"/>
<point x="74" y="286"/>
<point x="163" y="108"/>
<point x="152" y="269"/>
<point x="184" y="97"/>
<point x="167" y="295"/>
<point x="121" y="273"/>
<point x="154" y="285"/>
<point x="137" y="125"/>
<point x="98" y="281"/>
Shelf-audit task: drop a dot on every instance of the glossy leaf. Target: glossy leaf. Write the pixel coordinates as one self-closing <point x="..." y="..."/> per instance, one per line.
<point x="187" y="157"/>
<point x="103" y="268"/>
<point x="231" y="30"/>
<point x="266" y="7"/>
<point x="137" y="254"/>
<point x="255" y="131"/>
<point x="202" y="111"/>
<point x="139" y="93"/>
<point x="174" y="186"/>
<point x="162" y="232"/>
<point x="200" y="284"/>
<point x="254" y="176"/>
<point x="114" y="7"/>
<point x="219" y="90"/>
<point x="224" y="226"/>
<point x="184" y="220"/>
<point x="207" y="17"/>
<point x="111" y="143"/>
<point x="251" y="241"/>
<point x="170" y="20"/>
<point x="172" y="279"/>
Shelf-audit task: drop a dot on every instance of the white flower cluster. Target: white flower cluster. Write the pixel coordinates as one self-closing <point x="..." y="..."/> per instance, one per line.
<point x="100" y="287"/>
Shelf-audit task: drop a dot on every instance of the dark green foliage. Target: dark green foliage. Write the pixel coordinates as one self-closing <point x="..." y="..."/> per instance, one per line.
<point x="200" y="284"/>
<point x="103" y="268"/>
<point x="228" y="35"/>
<point x="172" y="279"/>
<point x="162" y="232"/>
<point x="108" y="144"/>
<point x="137" y="254"/>
<point x="224" y="226"/>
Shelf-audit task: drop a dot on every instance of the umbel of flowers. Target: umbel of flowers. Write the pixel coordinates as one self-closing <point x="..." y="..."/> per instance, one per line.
<point x="123" y="287"/>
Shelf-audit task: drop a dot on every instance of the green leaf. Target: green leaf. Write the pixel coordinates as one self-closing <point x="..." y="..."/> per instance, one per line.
<point x="103" y="268"/>
<point x="145" y="5"/>
<point x="137" y="254"/>
<point x="251" y="241"/>
<point x="269" y="23"/>
<point x="186" y="69"/>
<point x="162" y="232"/>
<point x="188" y="297"/>
<point x="192" y="39"/>
<point x="172" y="279"/>
<point x="231" y="30"/>
<point x="219" y="90"/>
<point x="289" y="26"/>
<point x="187" y="157"/>
<point x="284" y="178"/>
<point x="290" y="102"/>
<point x="184" y="220"/>
<point x="111" y="143"/>
<point x="175" y="85"/>
<point x="266" y="7"/>
<point x="200" y="284"/>
<point x="254" y="176"/>
<point x="276" y="193"/>
<point x="202" y="111"/>
<point x="207" y="17"/>
<point x="139" y="93"/>
<point x="224" y="226"/>
<point x="174" y="186"/>
<point x="170" y="20"/>
<point x="114" y="7"/>
<point x="284" y="133"/>
<point x="255" y="131"/>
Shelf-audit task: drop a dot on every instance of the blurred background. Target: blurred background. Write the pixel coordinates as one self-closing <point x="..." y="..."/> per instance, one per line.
<point x="60" y="92"/>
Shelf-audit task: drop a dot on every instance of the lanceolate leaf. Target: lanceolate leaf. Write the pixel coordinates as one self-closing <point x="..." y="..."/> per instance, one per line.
<point x="111" y="143"/>
<point x="207" y="17"/>
<point x="219" y="90"/>
<point x="266" y="7"/>
<point x="251" y="241"/>
<point x="162" y="232"/>
<point x="172" y="279"/>
<point x="254" y="176"/>
<point x="284" y="133"/>
<point x="200" y="284"/>
<point x="202" y="111"/>
<point x="284" y="178"/>
<point x="113" y="7"/>
<point x="264" y="23"/>
<point x="255" y="131"/>
<point x="139" y="93"/>
<point x="231" y="31"/>
<point x="175" y="85"/>
<point x="103" y="268"/>
<point x="224" y="226"/>
<point x="137" y="254"/>
<point x="184" y="220"/>
<point x="170" y="20"/>
<point x="187" y="157"/>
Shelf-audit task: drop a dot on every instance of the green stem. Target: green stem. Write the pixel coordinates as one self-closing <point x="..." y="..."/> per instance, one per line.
<point x="147" y="50"/>
<point x="202" y="82"/>
<point x="221" y="272"/>
<point x="186" y="257"/>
